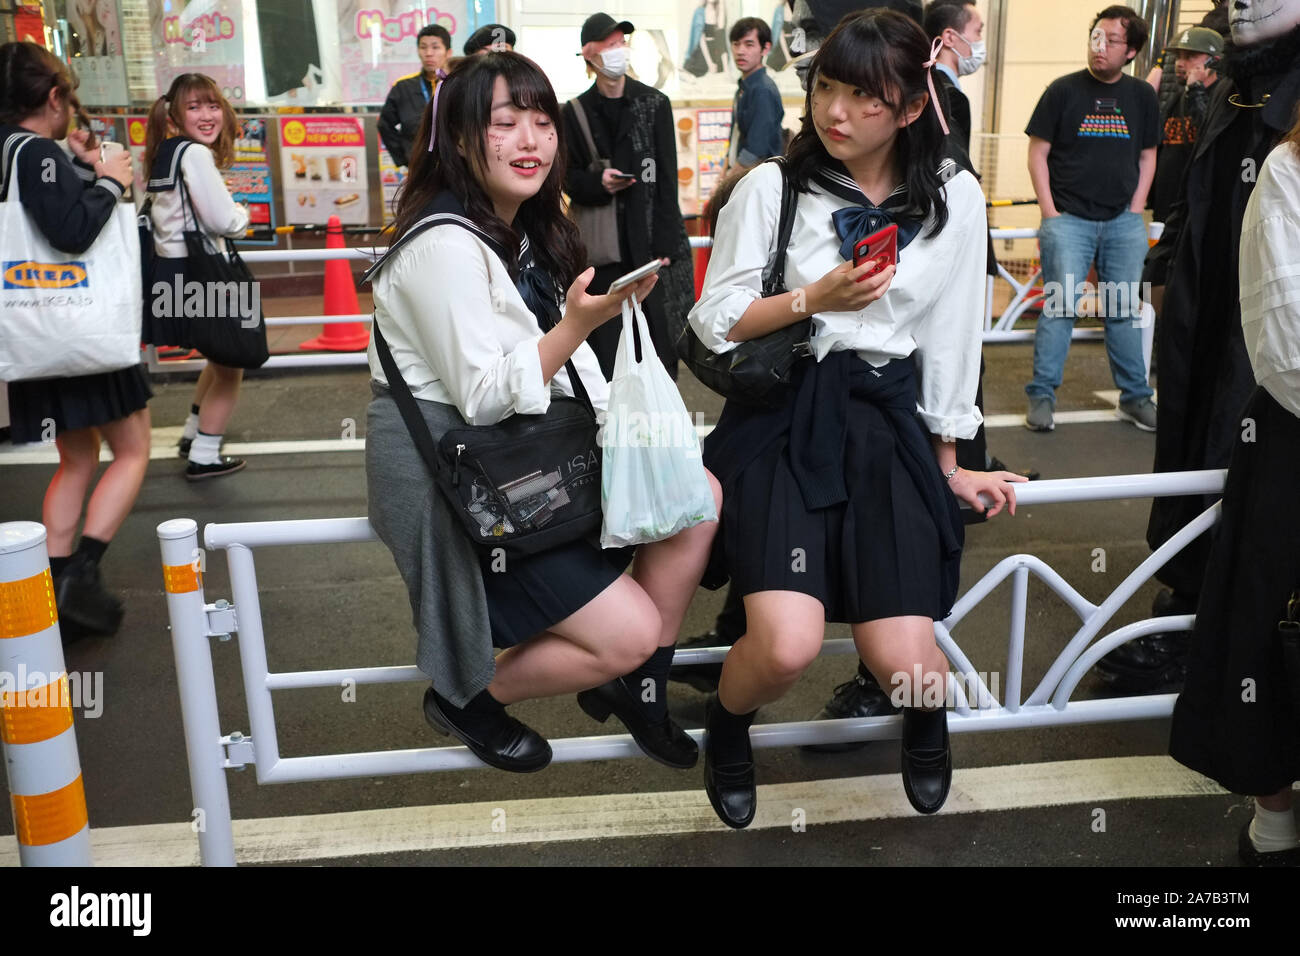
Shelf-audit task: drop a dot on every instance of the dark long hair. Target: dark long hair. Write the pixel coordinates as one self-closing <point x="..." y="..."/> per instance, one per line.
<point x="27" y="74"/>
<point x="464" y="111"/>
<point x="881" y="52"/>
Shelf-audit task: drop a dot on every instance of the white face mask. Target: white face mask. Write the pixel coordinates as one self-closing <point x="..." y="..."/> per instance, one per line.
<point x="966" y="65"/>
<point x="614" y="62"/>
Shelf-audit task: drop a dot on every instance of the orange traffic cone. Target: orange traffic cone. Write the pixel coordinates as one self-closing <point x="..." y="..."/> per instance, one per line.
<point x="340" y="299"/>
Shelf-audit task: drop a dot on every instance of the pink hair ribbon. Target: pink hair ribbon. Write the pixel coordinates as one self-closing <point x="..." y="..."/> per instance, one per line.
<point x="929" y="78"/>
<point x="433" y="112"/>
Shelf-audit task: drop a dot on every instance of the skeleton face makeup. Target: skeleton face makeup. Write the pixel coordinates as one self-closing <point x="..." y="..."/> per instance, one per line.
<point x="1097" y="40"/>
<point x="1255" y="21"/>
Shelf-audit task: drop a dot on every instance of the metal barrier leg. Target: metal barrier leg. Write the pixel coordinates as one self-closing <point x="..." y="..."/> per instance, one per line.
<point x="40" y="744"/>
<point x="182" y="576"/>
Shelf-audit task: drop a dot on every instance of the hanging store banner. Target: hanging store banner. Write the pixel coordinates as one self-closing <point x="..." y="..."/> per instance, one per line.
<point x="205" y="36"/>
<point x="95" y="49"/>
<point x="377" y="42"/>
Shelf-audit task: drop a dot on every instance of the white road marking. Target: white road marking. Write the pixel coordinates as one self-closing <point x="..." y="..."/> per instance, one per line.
<point x="559" y="819"/>
<point x="164" y="439"/>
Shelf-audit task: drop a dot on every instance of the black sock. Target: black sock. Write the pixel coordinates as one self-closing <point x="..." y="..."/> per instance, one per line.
<point x="58" y="564"/>
<point x="90" y="550"/>
<point x="654" y="670"/>
<point x="728" y="733"/>
<point x="194" y="409"/>
<point x="924" y="729"/>
<point x="479" y="715"/>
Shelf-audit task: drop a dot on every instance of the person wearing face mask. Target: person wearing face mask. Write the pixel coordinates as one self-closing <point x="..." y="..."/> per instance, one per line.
<point x="630" y="126"/>
<point x="1205" y="373"/>
<point x="959" y="26"/>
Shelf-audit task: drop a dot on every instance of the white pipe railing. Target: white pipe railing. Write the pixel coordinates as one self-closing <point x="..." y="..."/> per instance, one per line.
<point x="193" y="622"/>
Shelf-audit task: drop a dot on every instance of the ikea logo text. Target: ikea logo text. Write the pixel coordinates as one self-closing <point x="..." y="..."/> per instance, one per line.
<point x="45" y="275"/>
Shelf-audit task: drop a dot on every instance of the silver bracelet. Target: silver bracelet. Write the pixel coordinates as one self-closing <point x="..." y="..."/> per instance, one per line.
<point x="948" y="477"/>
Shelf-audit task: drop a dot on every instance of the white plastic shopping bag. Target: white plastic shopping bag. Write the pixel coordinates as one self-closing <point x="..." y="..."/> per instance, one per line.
<point x="64" y="314"/>
<point x="653" y="482"/>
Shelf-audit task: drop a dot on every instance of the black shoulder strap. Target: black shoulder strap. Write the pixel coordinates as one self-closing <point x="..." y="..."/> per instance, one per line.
<point x="406" y="405"/>
<point x="10" y="151"/>
<point x="774" y="281"/>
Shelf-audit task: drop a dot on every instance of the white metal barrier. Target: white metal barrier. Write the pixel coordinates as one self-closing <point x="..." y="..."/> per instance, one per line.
<point x="996" y="331"/>
<point x="194" y="622"/>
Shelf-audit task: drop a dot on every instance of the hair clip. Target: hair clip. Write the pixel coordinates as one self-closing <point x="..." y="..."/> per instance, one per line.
<point x="433" y="111"/>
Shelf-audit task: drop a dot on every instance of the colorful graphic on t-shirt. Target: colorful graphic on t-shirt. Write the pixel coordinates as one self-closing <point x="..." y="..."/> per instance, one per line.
<point x="1179" y="131"/>
<point x="1106" y="120"/>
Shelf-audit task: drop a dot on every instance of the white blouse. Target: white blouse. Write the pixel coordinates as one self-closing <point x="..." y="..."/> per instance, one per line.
<point x="1270" y="277"/>
<point x="461" y="334"/>
<point x="934" y="306"/>
<point x="218" y="214"/>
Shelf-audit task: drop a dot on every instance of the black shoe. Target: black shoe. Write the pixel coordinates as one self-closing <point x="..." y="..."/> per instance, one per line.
<point x="703" y="677"/>
<point x="730" y="787"/>
<point x="1154" y="662"/>
<point x="997" y="464"/>
<point x="225" y="465"/>
<point x="508" y="745"/>
<point x="927" y="770"/>
<point x="1253" y="857"/>
<point x="183" y="448"/>
<point x="665" y="741"/>
<point x="860" y="697"/>
<point x="84" y="607"/>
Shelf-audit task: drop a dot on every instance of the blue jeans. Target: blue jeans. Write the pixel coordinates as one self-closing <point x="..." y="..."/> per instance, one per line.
<point x="1069" y="246"/>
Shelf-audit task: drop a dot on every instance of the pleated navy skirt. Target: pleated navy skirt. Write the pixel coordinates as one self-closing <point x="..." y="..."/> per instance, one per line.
<point x="879" y="553"/>
<point x="529" y="595"/>
<point x="82" y="401"/>
<point x="172" y="327"/>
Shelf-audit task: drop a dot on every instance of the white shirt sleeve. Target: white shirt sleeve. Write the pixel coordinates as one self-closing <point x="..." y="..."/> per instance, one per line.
<point x="441" y="294"/>
<point x="217" y="212"/>
<point x="948" y="339"/>
<point x="743" y="244"/>
<point x="1270" y="278"/>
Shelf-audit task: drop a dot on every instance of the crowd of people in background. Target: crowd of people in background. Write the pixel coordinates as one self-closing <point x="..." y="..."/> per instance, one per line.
<point x="861" y="467"/>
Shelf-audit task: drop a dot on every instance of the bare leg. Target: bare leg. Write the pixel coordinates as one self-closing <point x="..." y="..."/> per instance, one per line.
<point x="892" y="646"/>
<point x="117" y="489"/>
<point x="613" y="634"/>
<point x="669" y="571"/>
<point x="218" y="400"/>
<point x="784" y="636"/>
<point x="204" y="383"/>
<point x="61" y="511"/>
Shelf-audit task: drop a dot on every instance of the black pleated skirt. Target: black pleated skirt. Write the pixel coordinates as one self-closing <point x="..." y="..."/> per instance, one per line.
<point x="173" y="327"/>
<point x="526" y="596"/>
<point x="1238" y="718"/>
<point x="82" y="401"/>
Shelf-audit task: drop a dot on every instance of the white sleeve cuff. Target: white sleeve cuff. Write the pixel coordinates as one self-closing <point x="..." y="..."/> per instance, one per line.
<point x="112" y="185"/>
<point x="529" y="395"/>
<point x="714" y="317"/>
<point x="951" y="427"/>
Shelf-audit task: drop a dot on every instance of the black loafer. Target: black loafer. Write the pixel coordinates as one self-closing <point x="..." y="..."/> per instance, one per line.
<point x="664" y="741"/>
<point x="927" y="771"/>
<point x="225" y="465"/>
<point x="1253" y="857"/>
<point x="861" y="697"/>
<point x="730" y="787"/>
<point x="509" y="745"/>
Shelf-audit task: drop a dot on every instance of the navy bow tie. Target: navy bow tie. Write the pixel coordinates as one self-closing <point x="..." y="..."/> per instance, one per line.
<point x="538" y="292"/>
<point x="855" y="223"/>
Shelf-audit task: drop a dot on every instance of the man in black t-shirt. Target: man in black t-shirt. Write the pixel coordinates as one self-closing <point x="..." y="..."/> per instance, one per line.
<point x="1092" y="156"/>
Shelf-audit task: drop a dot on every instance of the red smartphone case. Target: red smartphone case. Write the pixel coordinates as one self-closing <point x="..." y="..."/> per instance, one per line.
<point x="875" y="246"/>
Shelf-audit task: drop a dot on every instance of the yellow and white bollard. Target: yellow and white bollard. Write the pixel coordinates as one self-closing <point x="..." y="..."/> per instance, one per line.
<point x="40" y="746"/>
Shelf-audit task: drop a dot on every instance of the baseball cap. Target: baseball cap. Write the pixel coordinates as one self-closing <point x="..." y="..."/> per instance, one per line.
<point x="600" y="25"/>
<point x="1199" y="40"/>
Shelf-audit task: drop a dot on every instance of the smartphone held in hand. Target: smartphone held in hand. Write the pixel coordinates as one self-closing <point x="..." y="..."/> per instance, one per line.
<point x="635" y="276"/>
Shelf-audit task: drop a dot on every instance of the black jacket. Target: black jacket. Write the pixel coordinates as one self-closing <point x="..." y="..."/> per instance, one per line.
<point x="401" y="115"/>
<point x="1205" y="378"/>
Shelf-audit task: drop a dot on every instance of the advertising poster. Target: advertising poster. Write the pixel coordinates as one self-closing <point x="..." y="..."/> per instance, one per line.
<point x="205" y="36"/>
<point x="136" y="127"/>
<point x="95" y="44"/>
<point x="323" y="168"/>
<point x="714" y="131"/>
<point x="377" y="42"/>
<point x="249" y="179"/>
<point x="688" y="190"/>
<point x="391" y="178"/>
<point x="29" y="24"/>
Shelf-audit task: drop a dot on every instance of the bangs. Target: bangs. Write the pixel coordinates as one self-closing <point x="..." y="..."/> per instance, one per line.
<point x="528" y="85"/>
<point x="858" y="55"/>
<point x="196" y="87"/>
